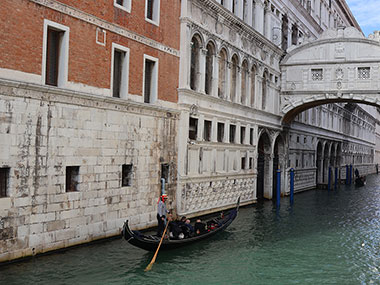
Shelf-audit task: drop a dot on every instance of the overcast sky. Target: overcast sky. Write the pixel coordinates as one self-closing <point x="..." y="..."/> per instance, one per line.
<point x="367" y="13"/>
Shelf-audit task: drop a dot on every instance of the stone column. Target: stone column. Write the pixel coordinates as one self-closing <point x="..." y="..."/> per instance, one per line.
<point x="239" y="9"/>
<point x="185" y="57"/>
<point x="259" y="16"/>
<point x="248" y="88"/>
<point x="249" y="13"/>
<point x="227" y="81"/>
<point x="228" y="4"/>
<point x="202" y="70"/>
<point x="267" y="23"/>
<point x="215" y="75"/>
<point x="238" y="84"/>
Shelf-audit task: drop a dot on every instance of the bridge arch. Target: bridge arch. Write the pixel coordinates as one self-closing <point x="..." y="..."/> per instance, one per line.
<point x="341" y="67"/>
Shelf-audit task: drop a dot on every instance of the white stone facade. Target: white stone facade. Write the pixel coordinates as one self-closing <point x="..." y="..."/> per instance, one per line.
<point x="47" y="129"/>
<point x="231" y="80"/>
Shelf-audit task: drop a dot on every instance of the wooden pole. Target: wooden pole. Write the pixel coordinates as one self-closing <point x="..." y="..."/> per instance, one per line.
<point x="150" y="265"/>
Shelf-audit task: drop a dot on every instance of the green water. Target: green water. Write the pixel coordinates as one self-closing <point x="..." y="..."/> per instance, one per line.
<point x="325" y="238"/>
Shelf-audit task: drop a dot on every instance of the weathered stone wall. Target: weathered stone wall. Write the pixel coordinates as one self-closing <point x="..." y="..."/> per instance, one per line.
<point x="42" y="131"/>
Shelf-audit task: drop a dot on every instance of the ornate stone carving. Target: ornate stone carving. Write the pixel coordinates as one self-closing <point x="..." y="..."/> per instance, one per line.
<point x="218" y="27"/>
<point x="339" y="73"/>
<point x="194" y="110"/>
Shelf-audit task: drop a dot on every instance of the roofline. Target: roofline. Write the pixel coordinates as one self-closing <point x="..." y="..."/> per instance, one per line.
<point x="350" y="17"/>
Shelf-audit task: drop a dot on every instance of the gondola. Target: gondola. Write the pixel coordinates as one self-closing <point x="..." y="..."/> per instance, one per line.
<point x="360" y="181"/>
<point x="150" y="242"/>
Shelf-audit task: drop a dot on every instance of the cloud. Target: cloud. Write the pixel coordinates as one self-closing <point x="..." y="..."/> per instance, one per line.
<point x="367" y="13"/>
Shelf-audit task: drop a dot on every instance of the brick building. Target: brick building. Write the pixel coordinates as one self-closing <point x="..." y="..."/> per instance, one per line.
<point x="88" y="121"/>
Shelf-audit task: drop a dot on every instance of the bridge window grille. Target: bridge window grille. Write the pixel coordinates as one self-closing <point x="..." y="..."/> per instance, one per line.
<point x="364" y="73"/>
<point x="317" y="74"/>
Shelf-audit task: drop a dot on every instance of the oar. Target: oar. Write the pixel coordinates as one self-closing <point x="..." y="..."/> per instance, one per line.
<point x="149" y="267"/>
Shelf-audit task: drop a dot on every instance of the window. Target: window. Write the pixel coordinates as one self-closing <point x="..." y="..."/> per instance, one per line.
<point x="244" y="77"/>
<point x="123" y="4"/>
<point x="364" y="73"/>
<point x="150" y="79"/>
<point x="284" y="33"/>
<point x="251" y="136"/>
<point x="220" y="132"/>
<point x="222" y="73"/>
<point x="233" y="77"/>
<point x="194" y="69"/>
<point x="126" y="175"/>
<point x="55" y="54"/>
<point x="152" y="11"/>
<point x="243" y="163"/>
<point x="242" y="135"/>
<point x="251" y="163"/>
<point x="72" y="178"/>
<point x="253" y="82"/>
<point x="120" y="71"/>
<point x="317" y="74"/>
<point x="209" y="68"/>
<point x="165" y="172"/>
<point x="193" y="128"/>
<point x="232" y="133"/>
<point x="207" y="131"/>
<point x="4" y="181"/>
<point x="264" y="90"/>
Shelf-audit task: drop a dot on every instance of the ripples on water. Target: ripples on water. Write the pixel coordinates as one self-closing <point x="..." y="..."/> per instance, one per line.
<point x="325" y="238"/>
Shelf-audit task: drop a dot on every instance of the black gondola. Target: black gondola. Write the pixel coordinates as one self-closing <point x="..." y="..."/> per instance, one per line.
<point x="360" y="181"/>
<point x="150" y="242"/>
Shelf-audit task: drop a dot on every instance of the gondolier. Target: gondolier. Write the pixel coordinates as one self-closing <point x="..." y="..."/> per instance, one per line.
<point x="161" y="214"/>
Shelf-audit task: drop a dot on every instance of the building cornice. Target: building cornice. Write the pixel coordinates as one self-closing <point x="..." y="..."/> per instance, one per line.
<point x="59" y="95"/>
<point x="221" y="13"/>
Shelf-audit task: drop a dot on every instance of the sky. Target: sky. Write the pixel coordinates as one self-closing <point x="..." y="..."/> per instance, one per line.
<point x="367" y="14"/>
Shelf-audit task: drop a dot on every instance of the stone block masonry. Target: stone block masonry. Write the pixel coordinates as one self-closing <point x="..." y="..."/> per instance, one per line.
<point x="43" y="131"/>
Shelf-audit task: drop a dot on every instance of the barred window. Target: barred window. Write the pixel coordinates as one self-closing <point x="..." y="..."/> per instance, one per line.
<point x="364" y="73"/>
<point x="317" y="74"/>
<point x="4" y="178"/>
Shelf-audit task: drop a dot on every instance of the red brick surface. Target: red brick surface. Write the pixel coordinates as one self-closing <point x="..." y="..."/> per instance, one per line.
<point x="21" y="23"/>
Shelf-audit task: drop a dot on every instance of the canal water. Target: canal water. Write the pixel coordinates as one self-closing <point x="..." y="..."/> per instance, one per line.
<point x="324" y="238"/>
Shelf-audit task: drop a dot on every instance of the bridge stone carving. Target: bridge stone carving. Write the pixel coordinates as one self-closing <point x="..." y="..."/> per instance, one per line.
<point x="341" y="66"/>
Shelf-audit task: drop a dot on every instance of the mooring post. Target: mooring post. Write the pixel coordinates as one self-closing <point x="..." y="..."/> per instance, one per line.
<point x="278" y="187"/>
<point x="291" y="186"/>
<point x="336" y="178"/>
<point x="347" y="174"/>
<point x="329" y="181"/>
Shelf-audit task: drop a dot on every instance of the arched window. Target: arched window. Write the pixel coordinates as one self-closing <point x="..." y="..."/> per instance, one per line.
<point x="194" y="70"/>
<point x="209" y="68"/>
<point x="264" y="90"/>
<point x="222" y="73"/>
<point x="234" y="67"/>
<point x="253" y="84"/>
<point x="244" y="77"/>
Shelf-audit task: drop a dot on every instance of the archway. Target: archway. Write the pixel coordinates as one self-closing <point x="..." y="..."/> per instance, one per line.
<point x="332" y="164"/>
<point x="319" y="164"/>
<point x="326" y="162"/>
<point x="263" y="159"/>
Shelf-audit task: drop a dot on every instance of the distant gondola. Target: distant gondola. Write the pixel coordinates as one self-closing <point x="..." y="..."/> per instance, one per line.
<point x="150" y="242"/>
<point x="360" y="181"/>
